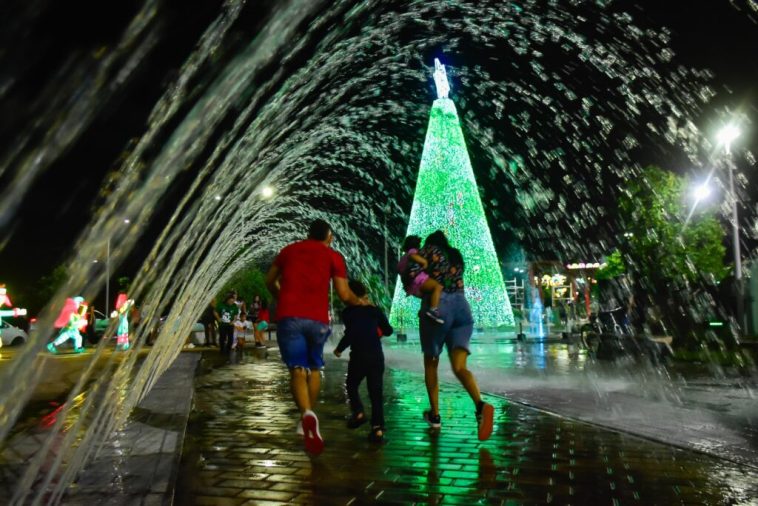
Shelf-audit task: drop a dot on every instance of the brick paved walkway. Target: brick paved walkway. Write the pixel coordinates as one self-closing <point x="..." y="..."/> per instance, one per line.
<point x="241" y="449"/>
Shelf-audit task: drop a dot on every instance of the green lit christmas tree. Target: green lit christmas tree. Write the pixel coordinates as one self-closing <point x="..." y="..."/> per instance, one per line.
<point x="447" y="199"/>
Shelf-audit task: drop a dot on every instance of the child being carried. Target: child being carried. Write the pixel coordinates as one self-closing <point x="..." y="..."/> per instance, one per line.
<point x="415" y="280"/>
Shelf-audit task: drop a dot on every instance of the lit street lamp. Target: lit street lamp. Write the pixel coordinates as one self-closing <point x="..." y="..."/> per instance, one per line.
<point x="726" y="136"/>
<point x="701" y="192"/>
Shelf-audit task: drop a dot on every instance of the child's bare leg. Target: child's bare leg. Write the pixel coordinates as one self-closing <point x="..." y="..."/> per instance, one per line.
<point x="433" y="288"/>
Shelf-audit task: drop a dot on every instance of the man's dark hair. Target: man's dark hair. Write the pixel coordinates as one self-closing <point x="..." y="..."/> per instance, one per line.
<point x="412" y="242"/>
<point x="319" y="230"/>
<point x="358" y="288"/>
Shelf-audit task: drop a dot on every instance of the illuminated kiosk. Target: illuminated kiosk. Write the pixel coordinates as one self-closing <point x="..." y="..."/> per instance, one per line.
<point x="447" y="199"/>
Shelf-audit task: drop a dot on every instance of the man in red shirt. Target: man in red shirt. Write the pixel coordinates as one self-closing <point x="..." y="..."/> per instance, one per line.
<point x="299" y="278"/>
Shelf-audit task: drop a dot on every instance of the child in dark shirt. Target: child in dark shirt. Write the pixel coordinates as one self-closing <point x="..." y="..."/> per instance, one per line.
<point x="364" y="327"/>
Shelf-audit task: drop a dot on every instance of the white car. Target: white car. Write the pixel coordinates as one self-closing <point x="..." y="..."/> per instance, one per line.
<point x="12" y="336"/>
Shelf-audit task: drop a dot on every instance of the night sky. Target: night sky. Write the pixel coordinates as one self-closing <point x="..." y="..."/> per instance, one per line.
<point x="40" y="37"/>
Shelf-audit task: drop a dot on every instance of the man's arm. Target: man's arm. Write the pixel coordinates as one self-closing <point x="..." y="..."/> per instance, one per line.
<point x="344" y="292"/>
<point x="272" y="280"/>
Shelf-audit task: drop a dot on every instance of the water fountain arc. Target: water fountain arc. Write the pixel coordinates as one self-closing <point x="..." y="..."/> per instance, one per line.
<point x="323" y="105"/>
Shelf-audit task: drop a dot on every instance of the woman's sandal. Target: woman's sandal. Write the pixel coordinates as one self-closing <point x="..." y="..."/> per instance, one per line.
<point x="356" y="420"/>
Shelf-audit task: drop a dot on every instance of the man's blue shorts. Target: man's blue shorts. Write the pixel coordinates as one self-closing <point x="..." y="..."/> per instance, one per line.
<point x="301" y="342"/>
<point x="454" y="333"/>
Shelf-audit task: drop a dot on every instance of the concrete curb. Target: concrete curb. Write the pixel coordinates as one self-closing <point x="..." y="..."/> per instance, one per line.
<point x="139" y="464"/>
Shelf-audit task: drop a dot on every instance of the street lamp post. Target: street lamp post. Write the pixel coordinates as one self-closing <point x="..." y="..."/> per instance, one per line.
<point x="726" y="136"/>
<point x="386" y="253"/>
<point x="107" y="276"/>
<point x="108" y="271"/>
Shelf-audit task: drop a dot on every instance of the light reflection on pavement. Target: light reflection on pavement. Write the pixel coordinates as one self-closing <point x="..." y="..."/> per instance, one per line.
<point x="693" y="407"/>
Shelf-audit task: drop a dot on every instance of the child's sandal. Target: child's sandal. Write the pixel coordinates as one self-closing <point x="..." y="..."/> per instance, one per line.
<point x="355" y="421"/>
<point x="376" y="435"/>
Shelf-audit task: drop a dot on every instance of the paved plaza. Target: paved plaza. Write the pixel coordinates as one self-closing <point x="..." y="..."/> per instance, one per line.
<point x="241" y="449"/>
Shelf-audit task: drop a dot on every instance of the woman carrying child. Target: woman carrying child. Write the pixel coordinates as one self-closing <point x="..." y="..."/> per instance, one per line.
<point x="447" y="266"/>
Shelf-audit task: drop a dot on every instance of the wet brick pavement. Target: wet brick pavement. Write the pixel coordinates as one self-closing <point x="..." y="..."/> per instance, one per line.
<point x="241" y="449"/>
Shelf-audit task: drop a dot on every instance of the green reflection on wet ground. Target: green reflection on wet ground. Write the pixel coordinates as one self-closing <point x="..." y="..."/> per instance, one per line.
<point x="241" y="449"/>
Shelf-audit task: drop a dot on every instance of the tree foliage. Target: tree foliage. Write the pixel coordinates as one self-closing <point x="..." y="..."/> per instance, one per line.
<point x="37" y="295"/>
<point x="248" y="282"/>
<point x="670" y="258"/>
<point x="614" y="267"/>
<point x="124" y="282"/>
<point x="663" y="245"/>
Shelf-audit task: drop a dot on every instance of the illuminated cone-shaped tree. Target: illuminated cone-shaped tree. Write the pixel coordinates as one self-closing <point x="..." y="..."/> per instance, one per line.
<point x="447" y="199"/>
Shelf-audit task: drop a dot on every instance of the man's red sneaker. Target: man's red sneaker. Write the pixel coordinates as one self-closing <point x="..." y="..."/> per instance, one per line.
<point x="314" y="444"/>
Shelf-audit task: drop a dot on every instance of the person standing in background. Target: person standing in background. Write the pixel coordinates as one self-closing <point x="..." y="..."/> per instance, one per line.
<point x="226" y="313"/>
<point x="208" y="319"/>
